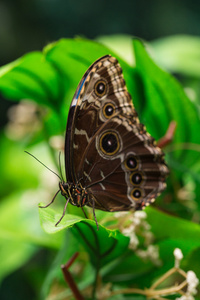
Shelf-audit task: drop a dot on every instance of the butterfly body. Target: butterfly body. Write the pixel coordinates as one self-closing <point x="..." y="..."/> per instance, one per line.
<point x="111" y="162"/>
<point x="76" y="194"/>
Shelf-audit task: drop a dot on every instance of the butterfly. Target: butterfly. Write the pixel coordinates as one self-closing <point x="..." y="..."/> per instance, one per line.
<point x="111" y="162"/>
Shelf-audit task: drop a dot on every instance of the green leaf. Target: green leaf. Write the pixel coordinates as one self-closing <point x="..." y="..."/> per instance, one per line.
<point x="50" y="77"/>
<point x="176" y="228"/>
<point x="29" y="77"/>
<point x="20" y="233"/>
<point x="121" y="44"/>
<point x="163" y="101"/>
<point x="72" y="57"/>
<point x="49" y="217"/>
<point x="103" y="245"/>
<point x="179" y="54"/>
<point x="14" y="254"/>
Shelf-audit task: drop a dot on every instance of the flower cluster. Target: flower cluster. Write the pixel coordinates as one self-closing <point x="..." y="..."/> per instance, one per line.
<point x="23" y="120"/>
<point x="136" y="227"/>
<point x="186" y="289"/>
<point x="191" y="279"/>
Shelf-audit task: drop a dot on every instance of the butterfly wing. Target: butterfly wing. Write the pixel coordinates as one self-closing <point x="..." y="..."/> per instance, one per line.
<point x="127" y="170"/>
<point x="113" y="156"/>
<point x="72" y="156"/>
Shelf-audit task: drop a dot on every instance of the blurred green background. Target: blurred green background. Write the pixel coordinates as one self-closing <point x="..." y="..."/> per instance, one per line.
<point x="171" y="31"/>
<point x="30" y="25"/>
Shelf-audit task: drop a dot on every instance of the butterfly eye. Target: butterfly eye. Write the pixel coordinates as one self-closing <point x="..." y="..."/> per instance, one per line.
<point x="100" y="88"/>
<point x="136" y="194"/>
<point x="108" y="110"/>
<point x="136" y="178"/>
<point x="131" y="163"/>
<point x="109" y="143"/>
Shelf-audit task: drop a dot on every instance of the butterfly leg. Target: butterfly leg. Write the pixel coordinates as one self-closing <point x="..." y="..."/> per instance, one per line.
<point x="93" y="208"/>
<point x="84" y="212"/>
<point x="64" y="210"/>
<point x="40" y="206"/>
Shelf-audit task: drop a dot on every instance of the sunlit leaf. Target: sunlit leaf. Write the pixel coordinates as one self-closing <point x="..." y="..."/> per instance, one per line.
<point x="103" y="245"/>
<point x="179" y="54"/>
<point x="163" y="100"/>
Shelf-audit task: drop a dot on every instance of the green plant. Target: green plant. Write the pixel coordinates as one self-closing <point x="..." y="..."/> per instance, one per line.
<point x="114" y="254"/>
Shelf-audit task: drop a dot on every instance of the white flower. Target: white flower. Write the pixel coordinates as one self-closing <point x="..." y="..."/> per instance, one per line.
<point x="149" y="237"/>
<point x="185" y="297"/>
<point x="140" y="214"/>
<point x="178" y="256"/>
<point x="120" y="214"/>
<point x="134" y="242"/>
<point x="128" y="231"/>
<point x="192" y="281"/>
<point x="151" y="253"/>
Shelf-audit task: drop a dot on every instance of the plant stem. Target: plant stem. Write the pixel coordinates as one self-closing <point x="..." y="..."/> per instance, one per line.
<point x="69" y="279"/>
<point x="95" y="283"/>
<point x="168" y="137"/>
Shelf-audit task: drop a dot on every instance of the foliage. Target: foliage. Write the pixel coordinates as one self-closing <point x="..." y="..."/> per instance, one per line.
<point x="43" y="83"/>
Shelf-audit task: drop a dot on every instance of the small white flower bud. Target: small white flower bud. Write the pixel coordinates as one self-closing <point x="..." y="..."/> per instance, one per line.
<point x="140" y="214"/>
<point x="178" y="256"/>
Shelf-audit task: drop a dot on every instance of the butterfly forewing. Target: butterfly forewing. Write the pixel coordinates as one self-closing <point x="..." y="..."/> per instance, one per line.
<point x="74" y="112"/>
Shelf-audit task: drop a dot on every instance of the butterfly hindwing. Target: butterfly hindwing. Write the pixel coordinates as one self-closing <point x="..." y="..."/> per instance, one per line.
<point x="132" y="174"/>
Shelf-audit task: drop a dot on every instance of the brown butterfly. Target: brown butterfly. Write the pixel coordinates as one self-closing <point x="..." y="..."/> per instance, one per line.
<point x="111" y="162"/>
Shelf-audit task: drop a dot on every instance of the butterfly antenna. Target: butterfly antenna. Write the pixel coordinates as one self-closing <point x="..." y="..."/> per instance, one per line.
<point x="43" y="164"/>
<point x="60" y="167"/>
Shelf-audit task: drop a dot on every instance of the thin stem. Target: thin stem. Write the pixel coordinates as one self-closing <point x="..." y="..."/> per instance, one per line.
<point x="183" y="146"/>
<point x="71" y="260"/>
<point x="166" y="275"/>
<point x="183" y="273"/>
<point x="69" y="279"/>
<point x="128" y="291"/>
<point x="168" y="137"/>
<point x="149" y="293"/>
<point x="84" y="238"/>
<point x="171" y="290"/>
<point x="163" y="277"/>
<point x="95" y="282"/>
<point x="97" y="253"/>
<point x="107" y="252"/>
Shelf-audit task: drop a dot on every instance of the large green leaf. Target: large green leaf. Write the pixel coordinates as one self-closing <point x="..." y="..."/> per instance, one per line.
<point x="176" y="228"/>
<point x="179" y="54"/>
<point x="47" y="77"/>
<point x="50" y="77"/>
<point x="163" y="100"/>
<point x="29" y="77"/>
<point x="20" y="234"/>
<point x="71" y="58"/>
<point x="103" y="245"/>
